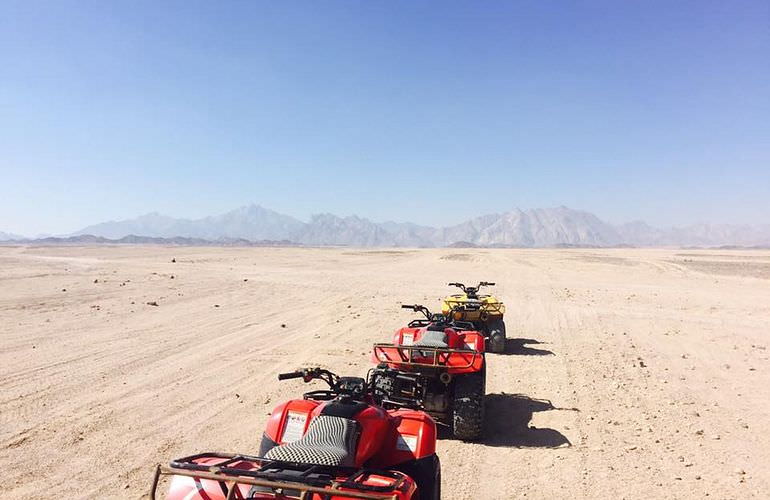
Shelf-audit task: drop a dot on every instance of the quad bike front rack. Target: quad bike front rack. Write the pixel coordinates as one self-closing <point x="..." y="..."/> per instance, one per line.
<point x="430" y="357"/>
<point x="304" y="482"/>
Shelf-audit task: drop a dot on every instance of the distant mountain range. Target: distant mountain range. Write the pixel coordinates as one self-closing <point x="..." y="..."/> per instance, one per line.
<point x="541" y="227"/>
<point x="89" y="239"/>
<point x="10" y="236"/>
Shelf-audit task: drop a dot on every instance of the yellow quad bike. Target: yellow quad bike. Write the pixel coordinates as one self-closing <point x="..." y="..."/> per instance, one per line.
<point x="484" y="311"/>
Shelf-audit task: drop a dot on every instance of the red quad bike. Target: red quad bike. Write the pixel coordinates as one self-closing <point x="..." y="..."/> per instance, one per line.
<point x="437" y="365"/>
<point x="332" y="444"/>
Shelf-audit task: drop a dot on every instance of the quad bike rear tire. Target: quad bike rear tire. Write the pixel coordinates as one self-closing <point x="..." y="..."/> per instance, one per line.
<point x="468" y="406"/>
<point x="496" y="337"/>
<point x="435" y="492"/>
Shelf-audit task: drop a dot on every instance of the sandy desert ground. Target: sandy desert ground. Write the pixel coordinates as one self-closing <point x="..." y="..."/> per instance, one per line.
<point x="629" y="373"/>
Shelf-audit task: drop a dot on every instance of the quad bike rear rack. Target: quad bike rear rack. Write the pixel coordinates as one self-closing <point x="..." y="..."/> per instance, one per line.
<point x="305" y="480"/>
<point x="457" y="325"/>
<point x="437" y="357"/>
<point x="491" y="308"/>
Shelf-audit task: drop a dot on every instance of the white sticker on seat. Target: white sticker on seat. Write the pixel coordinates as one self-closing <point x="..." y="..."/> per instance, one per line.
<point x="295" y="426"/>
<point x="406" y="442"/>
<point x="407" y="339"/>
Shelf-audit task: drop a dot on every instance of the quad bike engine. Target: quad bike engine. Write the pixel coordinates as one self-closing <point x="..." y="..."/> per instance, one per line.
<point x="410" y="389"/>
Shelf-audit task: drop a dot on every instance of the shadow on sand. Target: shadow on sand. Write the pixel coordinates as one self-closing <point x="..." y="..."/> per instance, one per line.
<point x="518" y="347"/>
<point x="507" y="418"/>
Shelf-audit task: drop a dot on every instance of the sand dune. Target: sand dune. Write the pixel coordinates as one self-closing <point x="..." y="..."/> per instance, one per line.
<point x="629" y="373"/>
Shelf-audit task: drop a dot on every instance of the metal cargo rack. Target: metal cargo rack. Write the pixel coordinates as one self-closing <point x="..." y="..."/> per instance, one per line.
<point x="438" y="357"/>
<point x="461" y="305"/>
<point x="287" y="479"/>
<point x="457" y="325"/>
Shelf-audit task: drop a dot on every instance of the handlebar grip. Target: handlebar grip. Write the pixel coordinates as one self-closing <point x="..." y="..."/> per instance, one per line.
<point x="407" y="306"/>
<point x="287" y="376"/>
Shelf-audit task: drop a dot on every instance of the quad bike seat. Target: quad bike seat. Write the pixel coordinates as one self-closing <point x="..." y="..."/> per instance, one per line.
<point x="433" y="338"/>
<point x="329" y="440"/>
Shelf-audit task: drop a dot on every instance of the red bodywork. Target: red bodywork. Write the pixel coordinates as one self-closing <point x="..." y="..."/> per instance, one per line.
<point x="381" y="432"/>
<point x="387" y="439"/>
<point x="464" y="352"/>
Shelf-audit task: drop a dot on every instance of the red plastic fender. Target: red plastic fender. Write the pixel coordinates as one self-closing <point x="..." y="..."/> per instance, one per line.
<point x="376" y="427"/>
<point x="406" y="336"/>
<point x="289" y="420"/>
<point x="454" y="339"/>
<point x="407" y="490"/>
<point x="414" y="436"/>
<point x="474" y="340"/>
<point x="188" y="488"/>
<point x="410" y="334"/>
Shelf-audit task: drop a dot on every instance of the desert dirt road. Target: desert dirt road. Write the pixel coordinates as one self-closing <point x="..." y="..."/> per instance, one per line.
<point x="628" y="374"/>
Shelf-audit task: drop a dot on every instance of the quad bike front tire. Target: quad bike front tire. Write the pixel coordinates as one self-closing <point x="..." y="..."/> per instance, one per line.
<point x="496" y="336"/>
<point x="468" y="406"/>
<point x="426" y="472"/>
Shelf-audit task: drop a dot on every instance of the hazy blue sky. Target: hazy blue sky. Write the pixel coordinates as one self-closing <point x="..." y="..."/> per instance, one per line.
<point x="423" y="111"/>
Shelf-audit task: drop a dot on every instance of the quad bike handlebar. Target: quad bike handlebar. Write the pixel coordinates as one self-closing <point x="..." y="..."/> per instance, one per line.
<point x="309" y="374"/>
<point x="419" y="308"/>
<point x="347" y="388"/>
<point x="433" y="316"/>
<point x="472" y="291"/>
<point x="476" y="288"/>
<point x="439" y="318"/>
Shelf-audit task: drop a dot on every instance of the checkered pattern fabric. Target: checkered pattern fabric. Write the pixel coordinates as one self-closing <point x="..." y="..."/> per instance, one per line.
<point x="328" y="441"/>
<point x="432" y="339"/>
